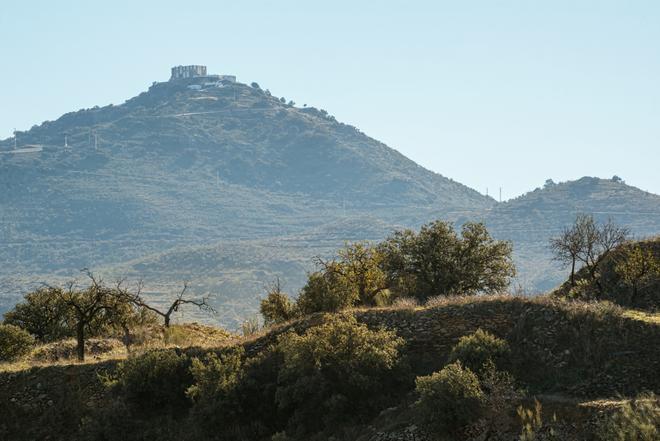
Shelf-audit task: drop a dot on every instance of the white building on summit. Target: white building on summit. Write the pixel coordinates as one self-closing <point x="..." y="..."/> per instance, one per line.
<point x="197" y="71"/>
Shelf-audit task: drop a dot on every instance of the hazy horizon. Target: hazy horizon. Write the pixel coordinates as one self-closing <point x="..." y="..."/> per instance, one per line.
<point x="490" y="96"/>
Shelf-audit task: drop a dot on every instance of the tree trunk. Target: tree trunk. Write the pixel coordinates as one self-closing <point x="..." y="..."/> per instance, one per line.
<point x="167" y="320"/>
<point x="80" y="336"/>
<point x="633" y="298"/>
<point x="573" y="273"/>
<point x="128" y="339"/>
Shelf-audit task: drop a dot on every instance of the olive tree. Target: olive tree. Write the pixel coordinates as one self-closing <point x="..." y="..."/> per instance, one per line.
<point x="438" y="261"/>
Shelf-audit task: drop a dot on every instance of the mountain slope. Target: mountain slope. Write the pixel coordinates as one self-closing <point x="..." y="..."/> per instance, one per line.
<point x="229" y="187"/>
<point x="531" y="219"/>
<point x="175" y="167"/>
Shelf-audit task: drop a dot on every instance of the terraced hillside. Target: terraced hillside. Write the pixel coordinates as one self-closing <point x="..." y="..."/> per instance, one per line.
<point x="229" y="187"/>
<point x="577" y="358"/>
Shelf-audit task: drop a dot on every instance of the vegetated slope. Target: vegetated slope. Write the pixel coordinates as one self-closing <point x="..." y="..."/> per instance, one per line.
<point x="573" y="351"/>
<point x="229" y="187"/>
<point x="615" y="289"/>
<point x="176" y="167"/>
<point x="531" y="219"/>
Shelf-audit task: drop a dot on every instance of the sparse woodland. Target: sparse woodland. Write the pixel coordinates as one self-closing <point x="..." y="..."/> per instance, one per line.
<point x="411" y="338"/>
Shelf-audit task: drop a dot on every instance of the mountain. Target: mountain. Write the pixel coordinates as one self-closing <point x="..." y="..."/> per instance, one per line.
<point x="531" y="219"/>
<point x="226" y="186"/>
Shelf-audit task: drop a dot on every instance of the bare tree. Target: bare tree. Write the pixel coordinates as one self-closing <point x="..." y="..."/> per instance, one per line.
<point x="598" y="243"/>
<point x="93" y="306"/>
<point x="180" y="300"/>
<point x="568" y="245"/>
<point x="588" y="243"/>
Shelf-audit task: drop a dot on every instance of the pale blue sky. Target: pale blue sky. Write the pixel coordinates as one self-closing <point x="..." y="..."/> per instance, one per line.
<point x="489" y="93"/>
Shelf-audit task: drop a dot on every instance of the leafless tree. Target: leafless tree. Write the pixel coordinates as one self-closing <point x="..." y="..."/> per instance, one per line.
<point x="568" y="245"/>
<point x="588" y="243"/>
<point x="137" y="299"/>
<point x="94" y="305"/>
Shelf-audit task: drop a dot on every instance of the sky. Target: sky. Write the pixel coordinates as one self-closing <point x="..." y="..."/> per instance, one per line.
<point x="489" y="93"/>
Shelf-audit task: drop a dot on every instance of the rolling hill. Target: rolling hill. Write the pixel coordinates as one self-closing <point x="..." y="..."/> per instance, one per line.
<point x="227" y="186"/>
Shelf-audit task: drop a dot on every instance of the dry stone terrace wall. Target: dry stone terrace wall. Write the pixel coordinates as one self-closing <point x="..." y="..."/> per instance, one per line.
<point x="585" y="350"/>
<point x="580" y="350"/>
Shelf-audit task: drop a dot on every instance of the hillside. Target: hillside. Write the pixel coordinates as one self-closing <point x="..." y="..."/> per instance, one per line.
<point x="531" y="219"/>
<point x="175" y="167"/>
<point x="229" y="187"/>
<point x="574" y="357"/>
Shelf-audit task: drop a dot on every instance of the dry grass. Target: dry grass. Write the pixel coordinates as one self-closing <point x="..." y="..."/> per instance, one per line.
<point x="62" y="353"/>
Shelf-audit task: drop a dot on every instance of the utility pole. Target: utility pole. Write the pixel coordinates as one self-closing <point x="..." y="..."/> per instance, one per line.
<point x="500" y="194"/>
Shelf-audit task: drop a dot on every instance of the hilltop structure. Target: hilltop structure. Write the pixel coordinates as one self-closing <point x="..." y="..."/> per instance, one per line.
<point x="181" y="72"/>
<point x="196" y="71"/>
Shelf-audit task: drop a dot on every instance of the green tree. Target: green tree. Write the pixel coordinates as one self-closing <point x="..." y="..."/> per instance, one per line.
<point x="43" y="314"/>
<point x="325" y="291"/>
<point x="437" y="261"/>
<point x="358" y="267"/>
<point x="637" y="269"/>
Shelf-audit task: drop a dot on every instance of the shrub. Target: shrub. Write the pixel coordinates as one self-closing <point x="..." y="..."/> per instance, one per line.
<point x="475" y="350"/>
<point x="250" y="326"/>
<point x="325" y="292"/>
<point x="14" y="342"/>
<point x="337" y="372"/>
<point x="215" y="377"/>
<point x="449" y="399"/>
<point x="277" y="307"/>
<point x="42" y="314"/>
<point x="636" y="420"/>
<point x="234" y="398"/>
<point x="155" y="381"/>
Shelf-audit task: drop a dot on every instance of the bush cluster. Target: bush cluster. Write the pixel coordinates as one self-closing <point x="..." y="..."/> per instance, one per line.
<point x="155" y="381"/>
<point x="14" y="343"/>
<point x="337" y="372"/>
<point x="450" y="399"/>
<point x="478" y="349"/>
